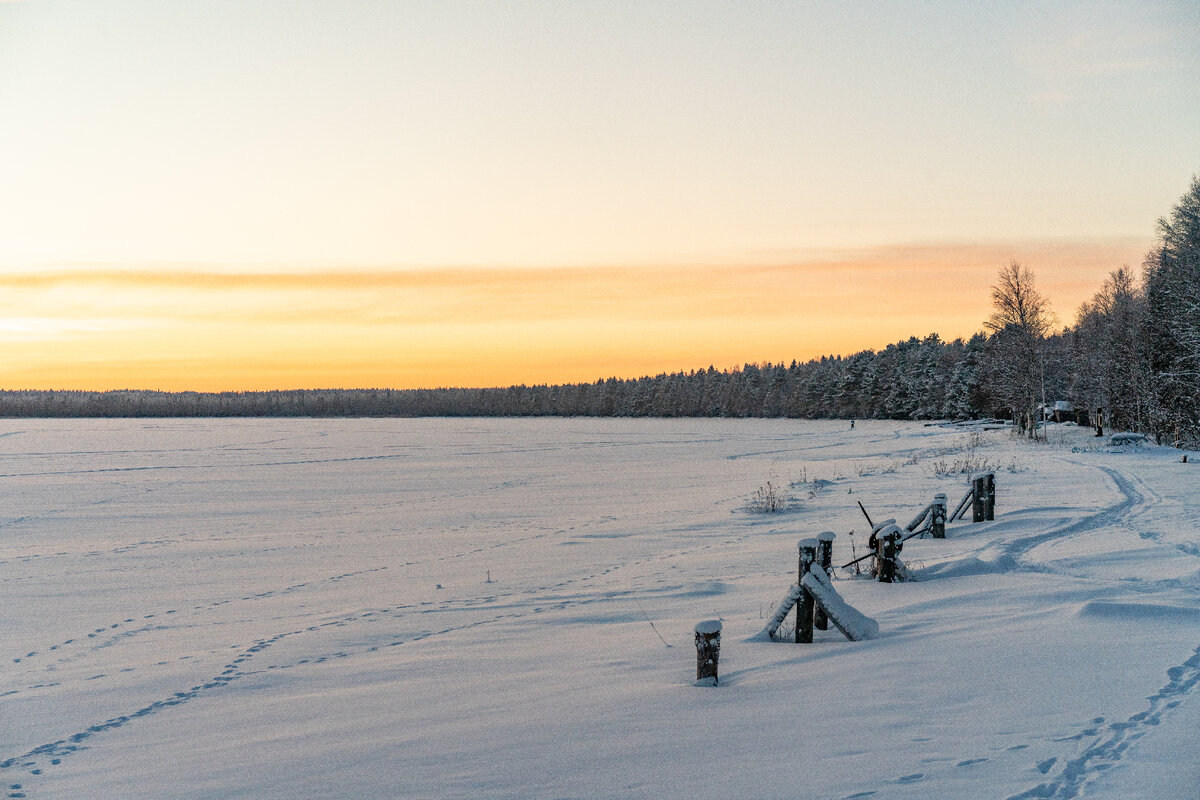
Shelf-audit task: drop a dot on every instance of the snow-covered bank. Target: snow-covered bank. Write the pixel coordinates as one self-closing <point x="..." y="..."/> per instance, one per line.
<point x="473" y="608"/>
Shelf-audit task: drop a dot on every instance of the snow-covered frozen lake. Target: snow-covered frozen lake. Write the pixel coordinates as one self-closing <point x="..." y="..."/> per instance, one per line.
<point x="489" y="608"/>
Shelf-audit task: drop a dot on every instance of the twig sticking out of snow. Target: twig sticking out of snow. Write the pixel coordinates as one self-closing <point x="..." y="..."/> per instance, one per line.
<point x="647" y="616"/>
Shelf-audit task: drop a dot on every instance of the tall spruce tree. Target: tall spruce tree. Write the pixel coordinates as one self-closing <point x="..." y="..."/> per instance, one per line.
<point x="1172" y="322"/>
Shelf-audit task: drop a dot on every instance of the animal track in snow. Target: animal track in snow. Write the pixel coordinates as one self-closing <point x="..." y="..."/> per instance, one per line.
<point x="1115" y="740"/>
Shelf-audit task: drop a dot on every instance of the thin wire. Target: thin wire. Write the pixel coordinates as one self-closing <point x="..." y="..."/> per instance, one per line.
<point x="647" y="616"/>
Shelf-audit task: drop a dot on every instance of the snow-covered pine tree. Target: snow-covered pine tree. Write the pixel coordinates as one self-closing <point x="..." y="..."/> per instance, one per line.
<point x="1172" y="321"/>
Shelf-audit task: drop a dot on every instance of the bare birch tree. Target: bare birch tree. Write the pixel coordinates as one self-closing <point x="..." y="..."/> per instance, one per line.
<point x="1020" y="320"/>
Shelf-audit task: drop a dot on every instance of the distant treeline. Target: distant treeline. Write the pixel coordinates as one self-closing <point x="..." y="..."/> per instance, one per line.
<point x="911" y="380"/>
<point x="915" y="379"/>
<point x="1134" y="350"/>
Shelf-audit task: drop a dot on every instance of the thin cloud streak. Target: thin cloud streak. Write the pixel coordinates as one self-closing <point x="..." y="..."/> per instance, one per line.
<point x="1053" y="255"/>
<point x="472" y="327"/>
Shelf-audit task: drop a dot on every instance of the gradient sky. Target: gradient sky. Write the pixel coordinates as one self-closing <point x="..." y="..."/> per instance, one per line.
<point x="243" y="194"/>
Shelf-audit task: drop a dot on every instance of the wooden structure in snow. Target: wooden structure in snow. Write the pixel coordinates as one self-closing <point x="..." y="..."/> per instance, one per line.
<point x="825" y="560"/>
<point x="981" y="498"/>
<point x="931" y="519"/>
<point x="708" y="651"/>
<point x="887" y="538"/>
<point x="813" y="590"/>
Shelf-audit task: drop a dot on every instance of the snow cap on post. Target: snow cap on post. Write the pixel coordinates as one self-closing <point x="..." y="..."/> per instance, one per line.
<point x="886" y="529"/>
<point x="827" y="536"/>
<point x="807" y="543"/>
<point x="708" y="627"/>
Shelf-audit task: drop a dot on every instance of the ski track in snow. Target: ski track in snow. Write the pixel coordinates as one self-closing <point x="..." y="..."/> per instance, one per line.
<point x="1136" y="499"/>
<point x="35" y="761"/>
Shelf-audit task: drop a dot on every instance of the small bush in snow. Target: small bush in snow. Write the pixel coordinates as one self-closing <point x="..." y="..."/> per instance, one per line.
<point x="963" y="465"/>
<point x="769" y="499"/>
<point x="908" y="570"/>
<point x="818" y="486"/>
<point x="854" y="555"/>
<point x="867" y="469"/>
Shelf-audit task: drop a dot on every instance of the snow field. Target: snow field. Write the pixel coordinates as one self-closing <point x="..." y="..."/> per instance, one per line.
<point x="301" y="608"/>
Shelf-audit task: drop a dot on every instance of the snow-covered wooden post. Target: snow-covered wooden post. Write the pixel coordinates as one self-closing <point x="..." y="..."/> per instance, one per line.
<point x="825" y="560"/>
<point x="937" y="522"/>
<point x="708" y="650"/>
<point x="983" y="497"/>
<point x="977" y="491"/>
<point x="804" y="606"/>
<point x="887" y="542"/>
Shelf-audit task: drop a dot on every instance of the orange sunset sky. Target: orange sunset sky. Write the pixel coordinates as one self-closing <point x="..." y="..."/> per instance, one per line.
<point x="243" y="194"/>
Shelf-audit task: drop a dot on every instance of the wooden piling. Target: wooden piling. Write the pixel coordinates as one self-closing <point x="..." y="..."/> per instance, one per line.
<point x="805" y="605"/>
<point x="983" y="497"/>
<point x="708" y="650"/>
<point x="991" y="495"/>
<point x="825" y="561"/>
<point x="937" y="522"/>
<point x="887" y="543"/>
<point x="873" y="544"/>
<point x="977" y="498"/>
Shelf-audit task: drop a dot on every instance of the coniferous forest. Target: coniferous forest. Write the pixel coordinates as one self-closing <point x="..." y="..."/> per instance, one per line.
<point x="1133" y="350"/>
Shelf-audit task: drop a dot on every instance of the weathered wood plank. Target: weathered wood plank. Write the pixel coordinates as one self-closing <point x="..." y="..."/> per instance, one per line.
<point x="853" y="624"/>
